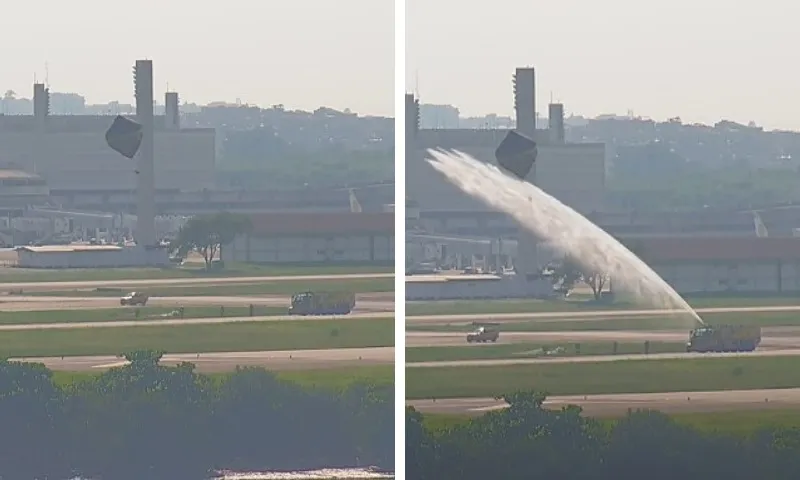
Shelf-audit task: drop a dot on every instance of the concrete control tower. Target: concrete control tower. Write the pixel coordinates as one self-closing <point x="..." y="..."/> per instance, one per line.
<point x="145" y="171"/>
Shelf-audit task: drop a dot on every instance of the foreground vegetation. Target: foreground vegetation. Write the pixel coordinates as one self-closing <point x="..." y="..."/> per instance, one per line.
<point x="150" y="421"/>
<point x="221" y="337"/>
<point x="734" y="422"/>
<point x="527" y="441"/>
<point x="623" y="376"/>
<point x="327" y="378"/>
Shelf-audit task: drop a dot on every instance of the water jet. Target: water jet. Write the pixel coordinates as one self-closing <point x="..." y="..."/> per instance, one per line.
<point x="546" y="217"/>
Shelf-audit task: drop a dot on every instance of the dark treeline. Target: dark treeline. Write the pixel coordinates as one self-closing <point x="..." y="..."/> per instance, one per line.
<point x="150" y="421"/>
<point x="528" y="442"/>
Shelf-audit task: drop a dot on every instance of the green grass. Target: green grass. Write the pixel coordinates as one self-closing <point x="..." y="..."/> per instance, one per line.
<point x="266" y="287"/>
<point x="232" y="270"/>
<point x="574" y="305"/>
<point x="763" y="319"/>
<point x="127" y="314"/>
<point x="530" y="350"/>
<point x="232" y="337"/>
<point x="627" y="376"/>
<point x="741" y="423"/>
<point x="331" y="378"/>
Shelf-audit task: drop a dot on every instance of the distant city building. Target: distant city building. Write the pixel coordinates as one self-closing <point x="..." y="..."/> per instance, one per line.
<point x="438" y="116"/>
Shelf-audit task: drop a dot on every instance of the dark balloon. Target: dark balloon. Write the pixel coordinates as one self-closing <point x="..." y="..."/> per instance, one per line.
<point x="516" y="153"/>
<point x="124" y="136"/>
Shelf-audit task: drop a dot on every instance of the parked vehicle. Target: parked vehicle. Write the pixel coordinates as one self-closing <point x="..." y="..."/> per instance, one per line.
<point x="134" y="299"/>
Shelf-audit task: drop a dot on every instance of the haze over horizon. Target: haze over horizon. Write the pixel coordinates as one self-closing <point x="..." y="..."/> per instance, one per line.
<point x="300" y="53"/>
<point x="701" y="61"/>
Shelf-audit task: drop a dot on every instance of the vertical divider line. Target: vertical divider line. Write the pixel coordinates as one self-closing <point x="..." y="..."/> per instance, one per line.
<point x="399" y="236"/>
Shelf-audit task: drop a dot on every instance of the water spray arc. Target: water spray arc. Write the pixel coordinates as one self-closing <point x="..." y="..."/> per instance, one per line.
<point x="548" y="218"/>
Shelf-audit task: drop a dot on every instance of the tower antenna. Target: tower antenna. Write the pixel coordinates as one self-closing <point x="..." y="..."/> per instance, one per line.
<point x="46" y="75"/>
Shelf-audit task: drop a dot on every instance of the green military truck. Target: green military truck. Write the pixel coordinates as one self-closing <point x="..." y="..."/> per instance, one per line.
<point x="322" y="303"/>
<point x="482" y="335"/>
<point x="724" y="338"/>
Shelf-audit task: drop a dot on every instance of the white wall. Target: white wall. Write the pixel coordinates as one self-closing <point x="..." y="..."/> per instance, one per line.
<point x="507" y="287"/>
<point x="357" y="248"/>
<point x="126" y="257"/>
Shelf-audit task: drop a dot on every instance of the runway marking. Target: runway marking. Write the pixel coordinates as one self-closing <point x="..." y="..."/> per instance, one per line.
<point x="111" y="365"/>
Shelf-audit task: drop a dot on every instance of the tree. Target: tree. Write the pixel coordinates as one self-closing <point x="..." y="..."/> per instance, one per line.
<point x="596" y="281"/>
<point x="566" y="274"/>
<point x="206" y="235"/>
<point x="569" y="272"/>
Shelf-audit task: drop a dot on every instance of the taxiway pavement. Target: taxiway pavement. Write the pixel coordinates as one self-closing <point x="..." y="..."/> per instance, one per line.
<point x="771" y="337"/>
<point x="365" y="302"/>
<point x="208" y="281"/>
<point x="619" y="404"/>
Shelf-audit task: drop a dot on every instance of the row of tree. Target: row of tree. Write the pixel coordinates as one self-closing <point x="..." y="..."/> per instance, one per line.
<point x="145" y="420"/>
<point x="527" y="441"/>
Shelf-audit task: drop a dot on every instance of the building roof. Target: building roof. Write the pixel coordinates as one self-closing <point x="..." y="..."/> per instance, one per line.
<point x="664" y="249"/>
<point x="330" y="223"/>
<point x="70" y="248"/>
<point x="4" y="173"/>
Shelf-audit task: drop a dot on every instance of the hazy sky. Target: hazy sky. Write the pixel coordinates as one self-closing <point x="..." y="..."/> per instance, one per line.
<point x="701" y="60"/>
<point x="302" y="53"/>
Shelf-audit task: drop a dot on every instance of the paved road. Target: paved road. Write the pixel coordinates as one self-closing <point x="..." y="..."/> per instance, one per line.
<point x="586" y="315"/>
<point x="619" y="404"/>
<point x="187" y="321"/>
<point x="367" y="302"/>
<point x="73" y="285"/>
<point x="227" y="361"/>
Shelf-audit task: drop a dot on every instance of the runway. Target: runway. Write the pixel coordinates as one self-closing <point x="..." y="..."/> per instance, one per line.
<point x="365" y="302"/>
<point x="207" y="281"/>
<point x="228" y="361"/>
<point x="619" y="404"/>
<point x="173" y="321"/>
